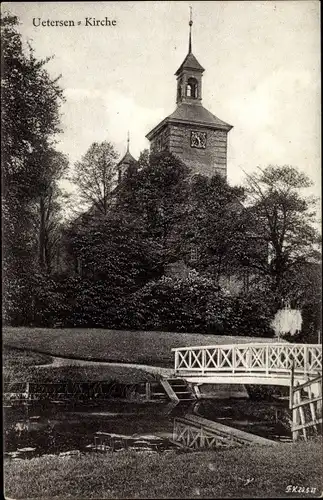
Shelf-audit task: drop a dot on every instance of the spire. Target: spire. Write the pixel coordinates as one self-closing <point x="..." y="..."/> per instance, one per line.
<point x="190" y="61"/>
<point x="190" y="35"/>
<point x="128" y="141"/>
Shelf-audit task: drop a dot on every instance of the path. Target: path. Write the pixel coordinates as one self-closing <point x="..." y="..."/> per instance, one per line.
<point x="58" y="361"/>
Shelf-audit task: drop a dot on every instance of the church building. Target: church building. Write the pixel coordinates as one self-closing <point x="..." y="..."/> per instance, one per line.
<point x="192" y="132"/>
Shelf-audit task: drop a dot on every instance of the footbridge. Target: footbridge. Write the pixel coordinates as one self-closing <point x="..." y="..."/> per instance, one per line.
<point x="254" y="363"/>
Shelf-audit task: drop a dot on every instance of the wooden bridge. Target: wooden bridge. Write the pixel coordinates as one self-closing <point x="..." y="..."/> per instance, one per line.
<point x="254" y="363"/>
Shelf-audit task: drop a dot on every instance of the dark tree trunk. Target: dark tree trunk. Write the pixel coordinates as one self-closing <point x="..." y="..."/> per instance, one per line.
<point x="42" y="234"/>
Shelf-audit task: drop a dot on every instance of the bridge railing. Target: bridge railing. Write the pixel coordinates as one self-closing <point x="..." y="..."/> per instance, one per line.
<point x="273" y="358"/>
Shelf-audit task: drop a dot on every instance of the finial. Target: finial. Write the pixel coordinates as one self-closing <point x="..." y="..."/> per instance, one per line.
<point x="128" y="141"/>
<point x="190" y="36"/>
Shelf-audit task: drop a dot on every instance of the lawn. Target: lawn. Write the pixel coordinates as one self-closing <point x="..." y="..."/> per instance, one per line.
<point x="153" y="348"/>
<point x="251" y="472"/>
<point x="21" y="366"/>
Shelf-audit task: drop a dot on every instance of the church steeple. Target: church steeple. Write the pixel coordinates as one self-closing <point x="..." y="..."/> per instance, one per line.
<point x="190" y="35"/>
<point x="126" y="161"/>
<point x="192" y="132"/>
<point x="189" y="75"/>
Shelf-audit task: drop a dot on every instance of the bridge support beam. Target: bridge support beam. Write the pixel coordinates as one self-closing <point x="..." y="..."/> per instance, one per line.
<point x="238" y="379"/>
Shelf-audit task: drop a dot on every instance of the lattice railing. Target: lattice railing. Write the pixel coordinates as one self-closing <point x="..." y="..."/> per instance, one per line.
<point x="306" y="405"/>
<point x="195" y="437"/>
<point x="262" y="358"/>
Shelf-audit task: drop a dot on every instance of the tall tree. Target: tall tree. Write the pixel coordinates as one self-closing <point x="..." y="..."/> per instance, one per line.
<point x="30" y="114"/>
<point x="50" y="215"/>
<point x="282" y="217"/>
<point x="30" y="117"/>
<point x="157" y="192"/>
<point x="95" y="176"/>
<point x="111" y="248"/>
<point x="214" y="225"/>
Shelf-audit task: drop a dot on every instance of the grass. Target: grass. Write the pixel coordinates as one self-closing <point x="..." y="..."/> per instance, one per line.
<point x="153" y="348"/>
<point x="251" y="472"/>
<point x="21" y="366"/>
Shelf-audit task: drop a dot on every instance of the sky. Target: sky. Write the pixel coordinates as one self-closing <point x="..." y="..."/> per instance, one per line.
<point x="262" y="73"/>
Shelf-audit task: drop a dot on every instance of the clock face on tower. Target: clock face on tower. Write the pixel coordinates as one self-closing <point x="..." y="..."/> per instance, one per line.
<point x="198" y="139"/>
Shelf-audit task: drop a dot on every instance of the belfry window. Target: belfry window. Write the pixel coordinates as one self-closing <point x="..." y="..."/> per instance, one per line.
<point x="179" y="89"/>
<point x="191" y="89"/>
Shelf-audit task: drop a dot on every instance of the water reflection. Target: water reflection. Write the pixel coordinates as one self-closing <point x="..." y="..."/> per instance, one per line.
<point x="37" y="429"/>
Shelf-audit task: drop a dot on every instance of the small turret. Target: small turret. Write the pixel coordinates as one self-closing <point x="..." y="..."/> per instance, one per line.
<point x="126" y="161"/>
<point x="189" y="75"/>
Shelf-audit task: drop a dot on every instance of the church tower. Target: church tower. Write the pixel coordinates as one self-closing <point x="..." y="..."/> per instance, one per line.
<point x="126" y="161"/>
<point x="194" y="134"/>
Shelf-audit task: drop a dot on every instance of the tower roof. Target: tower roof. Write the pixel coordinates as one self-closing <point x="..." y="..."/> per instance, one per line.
<point x="127" y="159"/>
<point x="191" y="115"/>
<point x="199" y="115"/>
<point x="190" y="62"/>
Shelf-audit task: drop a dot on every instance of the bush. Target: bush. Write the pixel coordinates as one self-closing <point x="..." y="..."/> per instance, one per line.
<point x="191" y="304"/>
<point x="54" y="301"/>
<point x="173" y="304"/>
<point x="195" y="304"/>
<point x="76" y="302"/>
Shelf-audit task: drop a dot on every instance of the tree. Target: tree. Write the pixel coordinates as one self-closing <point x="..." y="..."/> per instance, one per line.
<point x="214" y="225"/>
<point x="95" y="176"/>
<point x="157" y="192"/>
<point x="30" y="118"/>
<point x="111" y="248"/>
<point x="30" y="114"/>
<point x="281" y="218"/>
<point x="134" y="239"/>
<point x="50" y="209"/>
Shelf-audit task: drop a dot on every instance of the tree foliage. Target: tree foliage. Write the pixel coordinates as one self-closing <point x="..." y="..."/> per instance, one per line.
<point x="50" y="213"/>
<point x="157" y="194"/>
<point x="111" y="248"/>
<point x="214" y="225"/>
<point x="281" y="219"/>
<point x="30" y="116"/>
<point x="95" y="176"/>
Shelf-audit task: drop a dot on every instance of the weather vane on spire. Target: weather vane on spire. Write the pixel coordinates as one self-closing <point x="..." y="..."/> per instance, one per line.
<point x="190" y="37"/>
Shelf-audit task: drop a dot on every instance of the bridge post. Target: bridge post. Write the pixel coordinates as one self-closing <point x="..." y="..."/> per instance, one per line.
<point x="249" y="359"/>
<point x="176" y="361"/>
<point x="291" y="387"/>
<point x="203" y="361"/>
<point x="267" y="359"/>
<point x="306" y="360"/>
<point x="233" y="359"/>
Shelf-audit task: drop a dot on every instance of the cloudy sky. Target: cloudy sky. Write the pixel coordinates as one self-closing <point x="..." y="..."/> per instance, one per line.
<point x="262" y="61"/>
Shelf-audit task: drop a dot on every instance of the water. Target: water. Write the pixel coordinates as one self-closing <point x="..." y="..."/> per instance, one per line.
<point x="37" y="429"/>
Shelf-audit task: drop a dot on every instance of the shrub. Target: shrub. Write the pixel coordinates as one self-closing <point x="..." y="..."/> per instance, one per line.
<point x="196" y="304"/>
<point x="193" y="303"/>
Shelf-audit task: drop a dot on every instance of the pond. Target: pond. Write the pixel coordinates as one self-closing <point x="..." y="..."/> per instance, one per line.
<point x="34" y="429"/>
